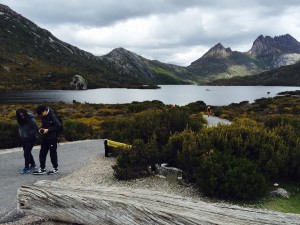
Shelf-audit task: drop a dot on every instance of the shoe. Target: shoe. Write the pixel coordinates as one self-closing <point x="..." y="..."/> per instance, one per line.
<point x="25" y="171"/>
<point x="53" y="171"/>
<point x="40" y="171"/>
<point x="32" y="167"/>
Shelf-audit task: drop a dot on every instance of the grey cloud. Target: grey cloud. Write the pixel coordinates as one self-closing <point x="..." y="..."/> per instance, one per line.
<point x="235" y="23"/>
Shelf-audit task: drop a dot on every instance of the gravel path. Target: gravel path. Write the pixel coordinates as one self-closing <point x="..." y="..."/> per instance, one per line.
<point x="99" y="172"/>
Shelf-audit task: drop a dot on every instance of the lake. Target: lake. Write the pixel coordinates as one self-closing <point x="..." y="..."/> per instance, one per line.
<point x="168" y="94"/>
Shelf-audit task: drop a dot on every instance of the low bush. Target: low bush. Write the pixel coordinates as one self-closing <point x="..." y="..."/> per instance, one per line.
<point x="229" y="177"/>
<point x="74" y="131"/>
<point x="9" y="135"/>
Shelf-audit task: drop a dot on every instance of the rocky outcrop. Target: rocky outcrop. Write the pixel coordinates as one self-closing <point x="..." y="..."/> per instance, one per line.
<point x="266" y="53"/>
<point x="127" y="62"/>
<point x="280" y="192"/>
<point x="218" y="51"/>
<point x="278" y="45"/>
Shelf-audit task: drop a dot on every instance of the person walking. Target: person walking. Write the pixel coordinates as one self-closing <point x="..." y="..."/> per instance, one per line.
<point x="49" y="131"/>
<point x="27" y="131"/>
<point x="209" y="111"/>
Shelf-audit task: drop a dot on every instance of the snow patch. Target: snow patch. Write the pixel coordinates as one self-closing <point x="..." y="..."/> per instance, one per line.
<point x="51" y="40"/>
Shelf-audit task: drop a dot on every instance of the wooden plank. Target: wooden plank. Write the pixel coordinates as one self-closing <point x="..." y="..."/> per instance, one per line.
<point x="116" y="144"/>
<point x="116" y="205"/>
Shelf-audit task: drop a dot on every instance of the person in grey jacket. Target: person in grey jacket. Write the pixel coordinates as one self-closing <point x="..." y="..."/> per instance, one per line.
<point x="27" y="130"/>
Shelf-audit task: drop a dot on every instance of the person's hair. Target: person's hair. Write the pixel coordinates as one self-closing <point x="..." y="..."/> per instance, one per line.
<point x="21" y="120"/>
<point x="40" y="109"/>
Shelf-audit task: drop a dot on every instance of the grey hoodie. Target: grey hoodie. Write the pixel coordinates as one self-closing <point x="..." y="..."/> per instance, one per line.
<point x="29" y="130"/>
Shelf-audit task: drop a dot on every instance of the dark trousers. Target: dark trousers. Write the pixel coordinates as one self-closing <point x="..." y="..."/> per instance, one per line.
<point x="45" y="147"/>
<point x="27" y="147"/>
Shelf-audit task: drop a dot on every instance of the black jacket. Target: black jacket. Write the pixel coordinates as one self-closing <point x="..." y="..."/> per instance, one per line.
<point x="51" y="122"/>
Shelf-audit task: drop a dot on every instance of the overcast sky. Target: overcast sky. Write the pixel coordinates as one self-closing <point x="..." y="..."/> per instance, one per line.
<point x="171" y="31"/>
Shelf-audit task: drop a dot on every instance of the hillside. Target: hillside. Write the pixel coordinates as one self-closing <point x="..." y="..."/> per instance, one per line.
<point x="283" y="76"/>
<point x="33" y="58"/>
<point x="152" y="71"/>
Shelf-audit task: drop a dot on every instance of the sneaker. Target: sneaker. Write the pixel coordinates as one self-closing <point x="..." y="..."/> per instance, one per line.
<point x="40" y="171"/>
<point x="53" y="171"/>
<point x="24" y="171"/>
<point x="32" y="167"/>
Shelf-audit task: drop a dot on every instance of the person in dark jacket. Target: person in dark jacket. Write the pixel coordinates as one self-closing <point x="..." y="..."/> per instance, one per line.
<point x="49" y="131"/>
<point x="27" y="130"/>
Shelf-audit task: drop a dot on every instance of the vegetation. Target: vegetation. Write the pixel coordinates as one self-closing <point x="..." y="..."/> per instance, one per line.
<point x="283" y="76"/>
<point x="238" y="161"/>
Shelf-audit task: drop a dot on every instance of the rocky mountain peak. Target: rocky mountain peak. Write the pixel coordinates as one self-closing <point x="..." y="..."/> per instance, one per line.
<point x="279" y="44"/>
<point x="218" y="51"/>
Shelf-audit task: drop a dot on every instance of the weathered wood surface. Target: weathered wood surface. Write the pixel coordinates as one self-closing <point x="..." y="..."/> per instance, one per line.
<point x="116" y="205"/>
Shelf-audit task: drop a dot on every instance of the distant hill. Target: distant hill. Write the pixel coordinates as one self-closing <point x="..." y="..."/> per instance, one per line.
<point x="267" y="53"/>
<point x="283" y="76"/>
<point x="126" y="62"/>
<point x="33" y="58"/>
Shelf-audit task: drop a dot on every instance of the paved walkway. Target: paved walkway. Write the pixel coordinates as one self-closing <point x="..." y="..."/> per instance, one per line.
<point x="70" y="156"/>
<point x="214" y="121"/>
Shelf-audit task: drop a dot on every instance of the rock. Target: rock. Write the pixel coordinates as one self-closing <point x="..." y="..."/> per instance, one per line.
<point x="280" y="192"/>
<point x="79" y="82"/>
<point x="168" y="171"/>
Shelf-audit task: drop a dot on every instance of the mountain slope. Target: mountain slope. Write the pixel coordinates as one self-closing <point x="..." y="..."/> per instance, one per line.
<point x="266" y="53"/>
<point x="283" y="76"/>
<point x="220" y="62"/>
<point x="33" y="58"/>
<point x="152" y="71"/>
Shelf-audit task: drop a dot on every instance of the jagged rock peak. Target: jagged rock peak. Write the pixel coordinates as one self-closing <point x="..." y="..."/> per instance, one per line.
<point x="4" y="9"/>
<point x="120" y="50"/>
<point x="279" y="44"/>
<point x="218" y="50"/>
<point x="122" y="53"/>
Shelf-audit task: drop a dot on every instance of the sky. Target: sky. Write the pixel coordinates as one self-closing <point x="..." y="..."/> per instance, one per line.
<point x="171" y="31"/>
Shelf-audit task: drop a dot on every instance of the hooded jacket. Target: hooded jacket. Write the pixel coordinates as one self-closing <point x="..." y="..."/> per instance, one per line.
<point x="51" y="122"/>
<point x="29" y="129"/>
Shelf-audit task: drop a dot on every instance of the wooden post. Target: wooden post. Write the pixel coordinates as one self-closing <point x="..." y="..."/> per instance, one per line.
<point x="117" y="205"/>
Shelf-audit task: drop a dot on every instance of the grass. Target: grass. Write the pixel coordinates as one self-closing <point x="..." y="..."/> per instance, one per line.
<point x="291" y="205"/>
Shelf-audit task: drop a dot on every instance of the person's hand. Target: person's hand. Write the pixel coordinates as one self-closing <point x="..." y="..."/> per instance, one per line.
<point x="45" y="131"/>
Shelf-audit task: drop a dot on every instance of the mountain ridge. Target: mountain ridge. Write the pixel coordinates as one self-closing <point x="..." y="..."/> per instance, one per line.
<point x="32" y="58"/>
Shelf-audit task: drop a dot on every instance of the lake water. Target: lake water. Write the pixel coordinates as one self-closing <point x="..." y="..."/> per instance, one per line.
<point x="168" y="94"/>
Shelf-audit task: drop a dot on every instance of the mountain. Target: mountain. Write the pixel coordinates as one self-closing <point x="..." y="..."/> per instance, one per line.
<point x="283" y="76"/>
<point x="33" y="58"/>
<point x="220" y="62"/>
<point x="127" y="62"/>
<point x="267" y="53"/>
<point x="283" y="44"/>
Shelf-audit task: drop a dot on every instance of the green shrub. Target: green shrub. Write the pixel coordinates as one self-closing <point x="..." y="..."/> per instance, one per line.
<point x="9" y="135"/>
<point x="74" y="131"/>
<point x="135" y="161"/>
<point x="230" y="177"/>
<point x="124" y="169"/>
<point x="145" y="125"/>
